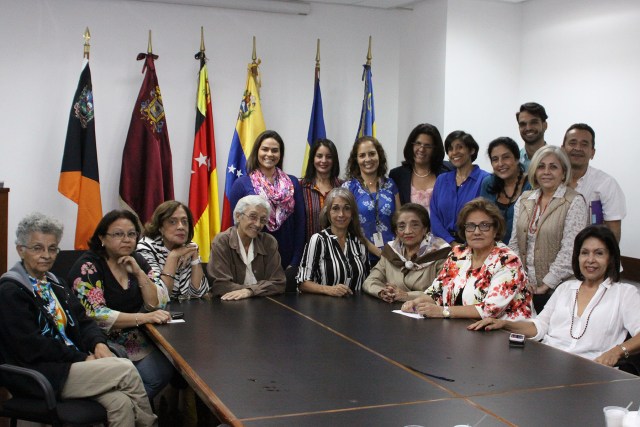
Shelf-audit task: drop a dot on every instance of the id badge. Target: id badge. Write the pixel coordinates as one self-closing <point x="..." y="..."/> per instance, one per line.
<point x="378" y="241"/>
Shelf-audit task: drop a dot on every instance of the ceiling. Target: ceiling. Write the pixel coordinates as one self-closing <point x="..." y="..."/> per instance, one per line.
<point x="383" y="4"/>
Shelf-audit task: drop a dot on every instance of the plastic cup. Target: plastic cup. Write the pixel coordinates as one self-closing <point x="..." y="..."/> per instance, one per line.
<point x="613" y="415"/>
<point x="631" y="419"/>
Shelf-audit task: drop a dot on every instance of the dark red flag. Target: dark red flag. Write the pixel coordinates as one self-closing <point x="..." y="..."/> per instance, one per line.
<point x="146" y="178"/>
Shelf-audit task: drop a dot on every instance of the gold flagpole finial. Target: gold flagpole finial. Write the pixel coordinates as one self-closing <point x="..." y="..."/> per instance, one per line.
<point x="149" y="47"/>
<point x="318" y="54"/>
<point x="369" y="57"/>
<point x="254" y="57"/>
<point x="87" y="46"/>
<point x="201" y="39"/>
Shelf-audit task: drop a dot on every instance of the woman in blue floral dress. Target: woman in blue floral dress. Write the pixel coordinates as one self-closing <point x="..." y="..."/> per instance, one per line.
<point x="119" y="290"/>
<point x="376" y="195"/>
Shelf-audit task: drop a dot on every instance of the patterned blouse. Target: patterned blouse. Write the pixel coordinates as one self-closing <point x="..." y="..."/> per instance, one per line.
<point x="325" y="263"/>
<point x="104" y="299"/>
<point x="498" y="288"/>
<point x="373" y="221"/>
<point x="156" y="253"/>
<point x="313" y="202"/>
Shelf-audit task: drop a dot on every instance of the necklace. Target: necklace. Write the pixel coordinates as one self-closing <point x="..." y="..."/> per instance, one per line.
<point x="515" y="190"/>
<point x="537" y="213"/>
<point x="421" y="176"/>
<point x="575" y="302"/>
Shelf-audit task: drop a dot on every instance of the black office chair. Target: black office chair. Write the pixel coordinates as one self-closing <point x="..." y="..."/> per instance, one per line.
<point x="40" y="404"/>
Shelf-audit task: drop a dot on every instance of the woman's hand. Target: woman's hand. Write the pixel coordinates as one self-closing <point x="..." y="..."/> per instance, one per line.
<point x="184" y="255"/>
<point x="337" y="290"/>
<point x="157" y="317"/>
<point x="392" y="293"/>
<point x="488" y="324"/>
<point x="542" y="289"/>
<point x="420" y="303"/>
<point x="611" y="357"/>
<point x="237" y="295"/>
<point x="101" y="350"/>
<point x="130" y="264"/>
<point x="429" y="310"/>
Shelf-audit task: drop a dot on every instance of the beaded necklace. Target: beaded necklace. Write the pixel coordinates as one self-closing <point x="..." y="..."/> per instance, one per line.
<point x="575" y="302"/>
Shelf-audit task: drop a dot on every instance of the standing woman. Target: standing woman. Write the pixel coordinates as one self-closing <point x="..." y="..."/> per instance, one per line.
<point x="320" y="177"/>
<point x="546" y="222"/>
<point x="335" y="261"/>
<point x="508" y="180"/>
<point x="119" y="290"/>
<point x="376" y="195"/>
<point x="423" y="156"/>
<point x="454" y="189"/>
<point x="265" y="178"/>
<point x="169" y="251"/>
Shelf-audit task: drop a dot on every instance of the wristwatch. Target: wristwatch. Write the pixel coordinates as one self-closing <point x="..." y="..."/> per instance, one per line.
<point x="446" y="313"/>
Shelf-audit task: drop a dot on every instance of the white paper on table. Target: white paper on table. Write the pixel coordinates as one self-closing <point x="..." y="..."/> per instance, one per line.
<point x="176" y="321"/>
<point x="414" y="315"/>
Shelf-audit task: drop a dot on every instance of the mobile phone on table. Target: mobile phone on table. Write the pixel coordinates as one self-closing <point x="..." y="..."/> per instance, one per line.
<point x="516" y="340"/>
<point x="177" y="315"/>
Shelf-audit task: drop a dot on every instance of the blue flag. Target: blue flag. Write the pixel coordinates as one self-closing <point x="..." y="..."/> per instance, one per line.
<point x="367" y="126"/>
<point x="316" y="123"/>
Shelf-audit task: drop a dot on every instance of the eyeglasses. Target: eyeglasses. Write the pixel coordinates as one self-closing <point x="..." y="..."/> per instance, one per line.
<point x="38" y="249"/>
<point x="120" y="235"/>
<point x="418" y="144"/>
<point x="470" y="227"/>
<point x="255" y="218"/>
<point x="413" y="226"/>
<point x="173" y="222"/>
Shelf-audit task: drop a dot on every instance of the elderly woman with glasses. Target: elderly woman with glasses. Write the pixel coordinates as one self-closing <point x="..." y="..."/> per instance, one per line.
<point x="245" y="261"/>
<point x="45" y="328"/>
<point x="121" y="292"/>
<point x="168" y="249"/>
<point x="481" y="278"/>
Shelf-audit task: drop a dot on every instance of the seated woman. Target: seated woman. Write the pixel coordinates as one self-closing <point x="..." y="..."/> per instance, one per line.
<point x="591" y="316"/>
<point x="45" y="328"/>
<point x="482" y="278"/>
<point x="169" y="251"/>
<point x="546" y="221"/>
<point x="245" y="261"/>
<point x="335" y="261"/>
<point x="423" y="162"/>
<point x="120" y="291"/>
<point x="321" y="176"/>
<point x="412" y="261"/>
<point x="453" y="189"/>
<point x="508" y="180"/>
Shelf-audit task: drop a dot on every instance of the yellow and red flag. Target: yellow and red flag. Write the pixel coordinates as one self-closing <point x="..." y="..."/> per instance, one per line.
<point x="203" y="189"/>
<point x="249" y="125"/>
<point x="79" y="177"/>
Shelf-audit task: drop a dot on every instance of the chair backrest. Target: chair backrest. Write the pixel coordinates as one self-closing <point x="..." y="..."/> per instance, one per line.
<point x="64" y="262"/>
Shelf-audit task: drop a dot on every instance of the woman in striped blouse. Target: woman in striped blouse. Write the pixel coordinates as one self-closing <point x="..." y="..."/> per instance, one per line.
<point x="335" y="261"/>
<point x="168" y="249"/>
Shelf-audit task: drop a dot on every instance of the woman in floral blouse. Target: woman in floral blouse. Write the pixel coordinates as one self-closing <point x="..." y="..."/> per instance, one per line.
<point x="482" y="278"/>
<point x="118" y="289"/>
<point x="376" y="195"/>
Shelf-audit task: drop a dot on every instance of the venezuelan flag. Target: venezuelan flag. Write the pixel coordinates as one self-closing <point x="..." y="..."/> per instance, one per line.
<point x="316" y="123"/>
<point x="203" y="188"/>
<point x="367" y="126"/>
<point x="249" y="125"/>
<point x="79" y="177"/>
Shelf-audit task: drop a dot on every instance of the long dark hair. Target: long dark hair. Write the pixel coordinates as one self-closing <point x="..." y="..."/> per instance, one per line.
<point x="606" y="236"/>
<point x="437" y="155"/>
<point x="95" y="244"/>
<point x="512" y="146"/>
<point x="310" y="173"/>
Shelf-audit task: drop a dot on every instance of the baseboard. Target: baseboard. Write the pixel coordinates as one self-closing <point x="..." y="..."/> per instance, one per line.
<point x="631" y="268"/>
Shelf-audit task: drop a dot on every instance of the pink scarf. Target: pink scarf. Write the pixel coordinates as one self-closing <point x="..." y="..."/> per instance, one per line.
<point x="279" y="195"/>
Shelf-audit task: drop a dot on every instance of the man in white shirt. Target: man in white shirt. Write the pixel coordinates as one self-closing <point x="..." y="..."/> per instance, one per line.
<point x="592" y="183"/>
<point x="532" y="124"/>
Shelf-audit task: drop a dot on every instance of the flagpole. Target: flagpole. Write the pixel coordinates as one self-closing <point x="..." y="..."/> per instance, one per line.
<point x="87" y="46"/>
<point x="318" y="59"/>
<point x="149" y="48"/>
<point x="369" y="56"/>
<point x="254" y="66"/>
<point x="202" y="39"/>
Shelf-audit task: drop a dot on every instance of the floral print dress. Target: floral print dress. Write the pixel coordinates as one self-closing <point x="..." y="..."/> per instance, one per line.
<point x="498" y="288"/>
<point x="104" y="299"/>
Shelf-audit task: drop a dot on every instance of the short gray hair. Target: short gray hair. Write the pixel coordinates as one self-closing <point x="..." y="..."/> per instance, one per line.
<point x="250" y="201"/>
<point x="37" y="222"/>
<point x="541" y="154"/>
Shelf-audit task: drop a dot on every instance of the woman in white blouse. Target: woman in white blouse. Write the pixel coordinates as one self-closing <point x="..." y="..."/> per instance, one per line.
<point x="546" y="221"/>
<point x="590" y="316"/>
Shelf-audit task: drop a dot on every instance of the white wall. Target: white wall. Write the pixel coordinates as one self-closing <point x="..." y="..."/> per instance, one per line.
<point x="581" y="60"/>
<point x="41" y="56"/>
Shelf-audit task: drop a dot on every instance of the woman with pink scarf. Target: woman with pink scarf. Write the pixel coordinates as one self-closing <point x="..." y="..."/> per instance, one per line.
<point x="265" y="178"/>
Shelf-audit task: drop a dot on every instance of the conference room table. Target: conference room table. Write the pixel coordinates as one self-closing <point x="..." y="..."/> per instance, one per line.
<point x="313" y="360"/>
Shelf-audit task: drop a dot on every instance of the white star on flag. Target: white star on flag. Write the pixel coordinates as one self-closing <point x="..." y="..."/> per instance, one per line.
<point x="232" y="169"/>
<point x="202" y="159"/>
<point x="239" y="173"/>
